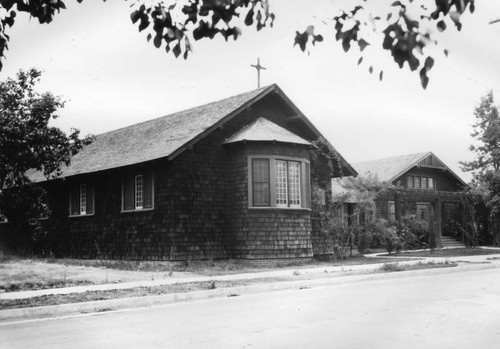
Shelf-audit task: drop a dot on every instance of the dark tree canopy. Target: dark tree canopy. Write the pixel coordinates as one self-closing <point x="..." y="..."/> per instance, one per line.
<point x="404" y="28"/>
<point x="486" y="165"/>
<point x="27" y="142"/>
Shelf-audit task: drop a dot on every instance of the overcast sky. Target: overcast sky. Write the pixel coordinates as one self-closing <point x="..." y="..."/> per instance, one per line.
<point x="111" y="77"/>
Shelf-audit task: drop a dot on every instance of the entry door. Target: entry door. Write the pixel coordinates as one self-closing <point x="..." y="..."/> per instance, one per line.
<point x="423" y="212"/>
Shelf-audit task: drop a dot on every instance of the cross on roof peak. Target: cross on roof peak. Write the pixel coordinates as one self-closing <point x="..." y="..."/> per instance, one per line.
<point x="258" y="67"/>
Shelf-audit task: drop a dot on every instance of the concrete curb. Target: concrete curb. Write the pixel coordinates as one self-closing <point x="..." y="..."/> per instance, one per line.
<point x="44" y="312"/>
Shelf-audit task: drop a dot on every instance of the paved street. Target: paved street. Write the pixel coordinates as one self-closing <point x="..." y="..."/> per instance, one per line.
<point x="456" y="310"/>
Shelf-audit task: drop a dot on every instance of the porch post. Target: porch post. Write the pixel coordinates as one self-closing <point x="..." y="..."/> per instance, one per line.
<point x="397" y="206"/>
<point x="438" y="223"/>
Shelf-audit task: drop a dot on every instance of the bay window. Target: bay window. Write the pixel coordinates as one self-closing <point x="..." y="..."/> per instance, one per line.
<point x="279" y="182"/>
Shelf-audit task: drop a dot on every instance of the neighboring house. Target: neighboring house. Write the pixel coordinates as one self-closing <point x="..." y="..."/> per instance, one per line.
<point x="423" y="186"/>
<point x="228" y="179"/>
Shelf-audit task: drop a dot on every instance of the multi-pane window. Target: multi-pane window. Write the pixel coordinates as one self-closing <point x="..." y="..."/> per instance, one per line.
<point x="421" y="182"/>
<point x="279" y="183"/>
<point x="81" y="200"/>
<point x="261" y="193"/>
<point x="137" y="192"/>
<point x="392" y="211"/>
<point x="294" y="183"/>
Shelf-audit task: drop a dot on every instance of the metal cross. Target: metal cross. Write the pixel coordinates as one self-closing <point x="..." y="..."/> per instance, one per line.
<point x="259" y="68"/>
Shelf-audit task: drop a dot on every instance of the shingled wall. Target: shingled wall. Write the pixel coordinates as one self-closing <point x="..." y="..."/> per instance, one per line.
<point x="201" y="205"/>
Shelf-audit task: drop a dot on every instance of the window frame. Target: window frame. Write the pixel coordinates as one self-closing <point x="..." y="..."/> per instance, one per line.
<point x="141" y="208"/>
<point x="420" y="178"/>
<point x="391" y="215"/>
<point x="71" y="215"/>
<point x="304" y="194"/>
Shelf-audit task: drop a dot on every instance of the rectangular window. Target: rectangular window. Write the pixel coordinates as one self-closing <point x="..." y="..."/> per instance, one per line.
<point x="410" y="181"/>
<point x="416" y="182"/>
<point x="431" y="183"/>
<point x="81" y="200"/>
<point x="424" y="182"/>
<point x="278" y="183"/>
<point x="392" y="211"/>
<point x="137" y="192"/>
<point x="281" y="183"/>
<point x="294" y="183"/>
<point x="260" y="182"/>
<point x="421" y="182"/>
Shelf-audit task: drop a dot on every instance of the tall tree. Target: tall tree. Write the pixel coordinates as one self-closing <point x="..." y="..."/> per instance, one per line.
<point x="28" y="143"/>
<point x="486" y="166"/>
<point x="405" y="27"/>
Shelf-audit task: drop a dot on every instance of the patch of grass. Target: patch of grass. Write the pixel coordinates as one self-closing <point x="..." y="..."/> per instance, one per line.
<point x="392" y="267"/>
<point x="452" y="252"/>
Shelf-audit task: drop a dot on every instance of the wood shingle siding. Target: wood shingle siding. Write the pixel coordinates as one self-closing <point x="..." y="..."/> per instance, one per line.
<point x="199" y="206"/>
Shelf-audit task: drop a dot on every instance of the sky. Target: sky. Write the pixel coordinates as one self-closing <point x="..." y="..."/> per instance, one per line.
<point x="111" y="77"/>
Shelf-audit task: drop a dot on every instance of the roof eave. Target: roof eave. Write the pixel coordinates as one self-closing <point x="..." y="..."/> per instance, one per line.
<point x="314" y="129"/>
<point x="221" y="122"/>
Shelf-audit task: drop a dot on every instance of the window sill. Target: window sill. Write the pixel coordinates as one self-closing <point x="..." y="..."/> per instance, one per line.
<point x="80" y="215"/>
<point x="279" y="208"/>
<point x="138" y="210"/>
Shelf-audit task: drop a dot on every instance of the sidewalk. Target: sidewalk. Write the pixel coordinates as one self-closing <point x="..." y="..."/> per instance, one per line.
<point x="320" y="277"/>
<point x="244" y="276"/>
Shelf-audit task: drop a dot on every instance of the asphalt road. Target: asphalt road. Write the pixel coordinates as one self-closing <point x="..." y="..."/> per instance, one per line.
<point x="456" y="310"/>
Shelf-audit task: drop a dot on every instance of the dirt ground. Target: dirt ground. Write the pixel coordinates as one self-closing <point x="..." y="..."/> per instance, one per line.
<point x="196" y="286"/>
<point x="31" y="274"/>
<point x="28" y="274"/>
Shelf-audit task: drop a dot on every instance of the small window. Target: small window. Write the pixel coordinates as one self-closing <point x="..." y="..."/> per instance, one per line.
<point x="416" y="182"/>
<point x="137" y="192"/>
<point x="81" y="200"/>
<point x="431" y="183"/>
<point x="410" y="181"/>
<point x="424" y="182"/>
<point x="260" y="182"/>
<point x="392" y="211"/>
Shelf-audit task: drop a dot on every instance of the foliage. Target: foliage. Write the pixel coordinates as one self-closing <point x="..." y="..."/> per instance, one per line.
<point x="486" y="166"/>
<point x="413" y="232"/>
<point x="325" y="163"/>
<point x="171" y="24"/>
<point x="27" y="142"/>
<point x="363" y="190"/>
<point x="404" y="29"/>
<point x="408" y="234"/>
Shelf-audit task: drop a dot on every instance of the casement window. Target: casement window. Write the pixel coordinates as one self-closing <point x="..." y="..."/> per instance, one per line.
<point x="421" y="182"/>
<point x="392" y="211"/>
<point x="138" y="192"/>
<point x="81" y="200"/>
<point x="278" y="182"/>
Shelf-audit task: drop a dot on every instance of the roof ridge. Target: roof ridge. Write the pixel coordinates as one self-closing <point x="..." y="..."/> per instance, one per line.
<point x="392" y="157"/>
<point x="186" y="110"/>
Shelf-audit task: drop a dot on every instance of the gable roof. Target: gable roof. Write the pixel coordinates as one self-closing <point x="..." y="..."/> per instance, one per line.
<point x="265" y="130"/>
<point x="389" y="169"/>
<point x="167" y="136"/>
